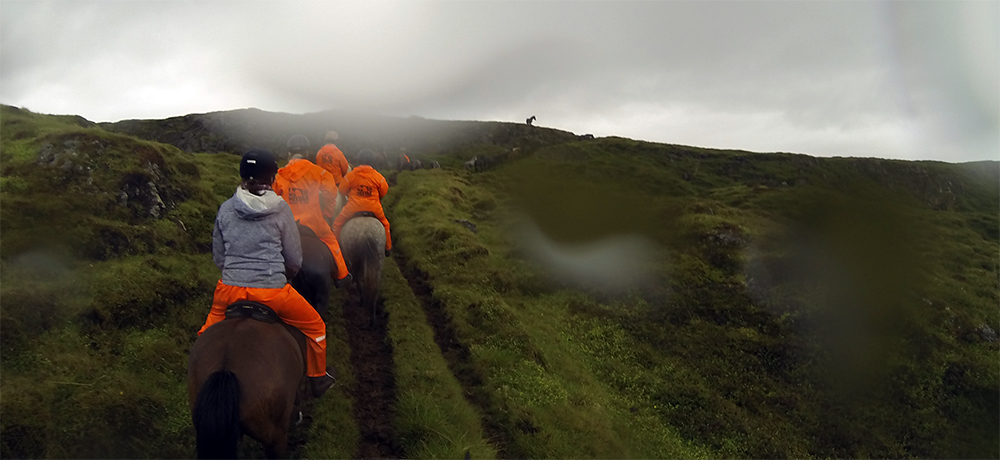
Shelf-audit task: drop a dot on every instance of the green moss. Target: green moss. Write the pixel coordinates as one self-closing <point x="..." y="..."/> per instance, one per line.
<point x="797" y="306"/>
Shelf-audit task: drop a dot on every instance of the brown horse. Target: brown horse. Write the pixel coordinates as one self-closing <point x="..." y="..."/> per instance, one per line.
<point x="245" y="376"/>
<point x="362" y="240"/>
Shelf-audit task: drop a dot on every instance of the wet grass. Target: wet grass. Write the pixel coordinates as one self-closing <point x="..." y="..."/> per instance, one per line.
<point x="786" y="320"/>
<point x="793" y="306"/>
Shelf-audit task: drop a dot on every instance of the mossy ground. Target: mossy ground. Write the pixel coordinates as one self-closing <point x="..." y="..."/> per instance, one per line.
<point x="794" y="307"/>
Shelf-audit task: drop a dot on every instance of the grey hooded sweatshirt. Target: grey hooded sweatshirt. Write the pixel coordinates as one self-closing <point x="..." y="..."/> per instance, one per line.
<point x="256" y="241"/>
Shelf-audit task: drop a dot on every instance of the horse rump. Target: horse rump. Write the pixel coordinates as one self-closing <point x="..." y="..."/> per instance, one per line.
<point x="362" y="240"/>
<point x="216" y="416"/>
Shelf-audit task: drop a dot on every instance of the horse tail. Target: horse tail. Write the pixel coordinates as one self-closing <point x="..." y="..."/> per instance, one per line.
<point x="217" y="416"/>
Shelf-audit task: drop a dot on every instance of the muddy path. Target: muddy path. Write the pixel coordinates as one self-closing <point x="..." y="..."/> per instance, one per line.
<point x="458" y="357"/>
<point x="375" y="380"/>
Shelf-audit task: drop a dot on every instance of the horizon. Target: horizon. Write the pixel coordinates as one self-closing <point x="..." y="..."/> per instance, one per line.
<point x="344" y="111"/>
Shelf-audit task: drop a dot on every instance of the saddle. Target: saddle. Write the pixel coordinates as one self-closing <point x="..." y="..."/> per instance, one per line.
<point x="363" y="214"/>
<point x="260" y="312"/>
<point x="252" y="310"/>
<point x="306" y="231"/>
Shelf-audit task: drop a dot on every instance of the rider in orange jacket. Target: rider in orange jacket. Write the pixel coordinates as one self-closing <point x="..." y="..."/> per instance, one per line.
<point x="256" y="246"/>
<point x="311" y="193"/>
<point x="332" y="159"/>
<point x="364" y="188"/>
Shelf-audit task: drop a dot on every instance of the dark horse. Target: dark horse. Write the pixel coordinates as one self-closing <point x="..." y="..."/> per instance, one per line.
<point x="312" y="281"/>
<point x="362" y="240"/>
<point x="245" y="376"/>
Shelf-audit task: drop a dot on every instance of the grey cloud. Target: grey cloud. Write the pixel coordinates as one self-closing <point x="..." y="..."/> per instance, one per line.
<point x="784" y="75"/>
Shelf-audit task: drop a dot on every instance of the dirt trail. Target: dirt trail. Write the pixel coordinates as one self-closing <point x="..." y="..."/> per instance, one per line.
<point x="375" y="380"/>
<point x="458" y="358"/>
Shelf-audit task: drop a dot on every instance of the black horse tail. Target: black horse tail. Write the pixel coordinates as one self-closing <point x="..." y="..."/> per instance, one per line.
<point x="217" y="416"/>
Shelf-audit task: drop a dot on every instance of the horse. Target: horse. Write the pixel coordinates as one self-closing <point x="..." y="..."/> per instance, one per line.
<point x="245" y="376"/>
<point x="529" y="120"/>
<point x="403" y="163"/>
<point x="362" y="240"/>
<point x="312" y="281"/>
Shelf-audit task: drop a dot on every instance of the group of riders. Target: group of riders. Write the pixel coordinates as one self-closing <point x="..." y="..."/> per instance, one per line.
<point x="256" y="240"/>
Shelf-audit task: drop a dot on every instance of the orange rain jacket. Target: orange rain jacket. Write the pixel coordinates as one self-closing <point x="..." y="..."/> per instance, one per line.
<point x="332" y="159"/>
<point x="311" y="193"/>
<point x="364" y="188"/>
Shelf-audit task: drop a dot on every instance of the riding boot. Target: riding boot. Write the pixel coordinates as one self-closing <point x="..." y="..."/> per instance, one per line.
<point x="322" y="383"/>
<point x="343" y="281"/>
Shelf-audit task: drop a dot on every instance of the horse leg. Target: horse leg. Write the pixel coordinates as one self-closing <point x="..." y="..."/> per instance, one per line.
<point x="271" y="429"/>
<point x="277" y="445"/>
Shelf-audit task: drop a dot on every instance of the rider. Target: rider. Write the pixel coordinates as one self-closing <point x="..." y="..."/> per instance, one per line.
<point x="311" y="192"/>
<point x="331" y="158"/>
<point x="364" y="188"/>
<point x="256" y="245"/>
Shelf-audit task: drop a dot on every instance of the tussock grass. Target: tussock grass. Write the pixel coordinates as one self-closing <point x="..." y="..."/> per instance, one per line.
<point x="535" y="389"/>
<point x="795" y="306"/>
<point x="792" y="318"/>
<point x="433" y="419"/>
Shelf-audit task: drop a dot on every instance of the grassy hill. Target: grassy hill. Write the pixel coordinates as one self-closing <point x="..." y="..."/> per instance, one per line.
<point x="578" y="298"/>
<point x="236" y="131"/>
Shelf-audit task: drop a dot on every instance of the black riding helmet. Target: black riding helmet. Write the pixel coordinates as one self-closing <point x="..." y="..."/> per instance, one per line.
<point x="366" y="157"/>
<point x="258" y="164"/>
<point x="298" y="143"/>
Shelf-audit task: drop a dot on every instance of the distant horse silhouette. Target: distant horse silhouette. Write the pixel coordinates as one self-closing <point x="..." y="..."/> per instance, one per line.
<point x="529" y="120"/>
<point x="405" y="163"/>
<point x="245" y="376"/>
<point x="362" y="240"/>
<point x="312" y="281"/>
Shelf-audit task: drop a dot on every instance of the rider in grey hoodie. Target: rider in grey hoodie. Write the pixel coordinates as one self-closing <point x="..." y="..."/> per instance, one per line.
<point x="256" y="242"/>
<point x="256" y="245"/>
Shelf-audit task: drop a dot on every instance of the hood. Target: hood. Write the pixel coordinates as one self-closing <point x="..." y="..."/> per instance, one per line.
<point x="253" y="207"/>
<point x="296" y="169"/>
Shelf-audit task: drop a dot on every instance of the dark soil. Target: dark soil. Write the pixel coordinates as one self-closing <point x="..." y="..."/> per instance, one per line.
<point x="375" y="380"/>
<point x="458" y="357"/>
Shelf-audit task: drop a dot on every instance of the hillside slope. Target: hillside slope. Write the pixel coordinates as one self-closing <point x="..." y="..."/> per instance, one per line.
<point x="573" y="298"/>
<point x="795" y="306"/>
<point x="236" y="131"/>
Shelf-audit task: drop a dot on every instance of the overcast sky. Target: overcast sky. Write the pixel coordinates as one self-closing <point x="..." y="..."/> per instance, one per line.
<point x="912" y="80"/>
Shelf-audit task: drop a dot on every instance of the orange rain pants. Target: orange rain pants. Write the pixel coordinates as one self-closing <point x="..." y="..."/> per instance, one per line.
<point x="290" y="307"/>
<point x="300" y="184"/>
<point x="364" y="188"/>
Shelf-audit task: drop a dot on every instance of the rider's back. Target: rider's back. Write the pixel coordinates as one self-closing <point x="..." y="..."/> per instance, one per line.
<point x="247" y="247"/>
